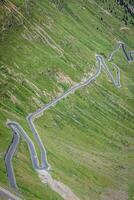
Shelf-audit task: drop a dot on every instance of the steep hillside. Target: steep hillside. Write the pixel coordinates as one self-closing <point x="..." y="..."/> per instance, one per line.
<point x="123" y="10"/>
<point x="47" y="47"/>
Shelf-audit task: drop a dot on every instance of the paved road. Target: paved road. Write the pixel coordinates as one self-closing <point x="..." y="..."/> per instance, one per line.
<point x="129" y="56"/>
<point x="18" y="130"/>
<point x="8" y="195"/>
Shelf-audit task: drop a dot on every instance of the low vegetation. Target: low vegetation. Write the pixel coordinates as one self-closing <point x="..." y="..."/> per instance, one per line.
<point x="88" y="135"/>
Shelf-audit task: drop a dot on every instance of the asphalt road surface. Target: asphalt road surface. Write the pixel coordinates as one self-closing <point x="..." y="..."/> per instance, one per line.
<point x="19" y="131"/>
<point x="5" y="194"/>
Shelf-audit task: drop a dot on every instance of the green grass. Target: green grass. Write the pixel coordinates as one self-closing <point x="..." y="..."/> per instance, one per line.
<point x="89" y="135"/>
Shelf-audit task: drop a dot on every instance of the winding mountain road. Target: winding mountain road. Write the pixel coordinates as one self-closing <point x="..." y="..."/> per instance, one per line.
<point x="8" y="195"/>
<point x="19" y="131"/>
<point x="128" y="55"/>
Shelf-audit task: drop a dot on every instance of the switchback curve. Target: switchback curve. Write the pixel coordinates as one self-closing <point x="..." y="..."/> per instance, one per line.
<point x="18" y="130"/>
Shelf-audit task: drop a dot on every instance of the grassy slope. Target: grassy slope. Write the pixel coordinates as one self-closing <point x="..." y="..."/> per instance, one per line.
<point x="88" y="136"/>
<point x="121" y="10"/>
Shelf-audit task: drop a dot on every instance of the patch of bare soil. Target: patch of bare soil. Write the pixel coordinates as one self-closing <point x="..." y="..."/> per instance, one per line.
<point x="125" y="28"/>
<point x="64" y="191"/>
<point x="62" y="78"/>
<point x="114" y="195"/>
<point x="14" y="99"/>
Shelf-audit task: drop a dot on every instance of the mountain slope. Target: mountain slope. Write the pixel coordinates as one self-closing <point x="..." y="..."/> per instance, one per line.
<point x="46" y="47"/>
